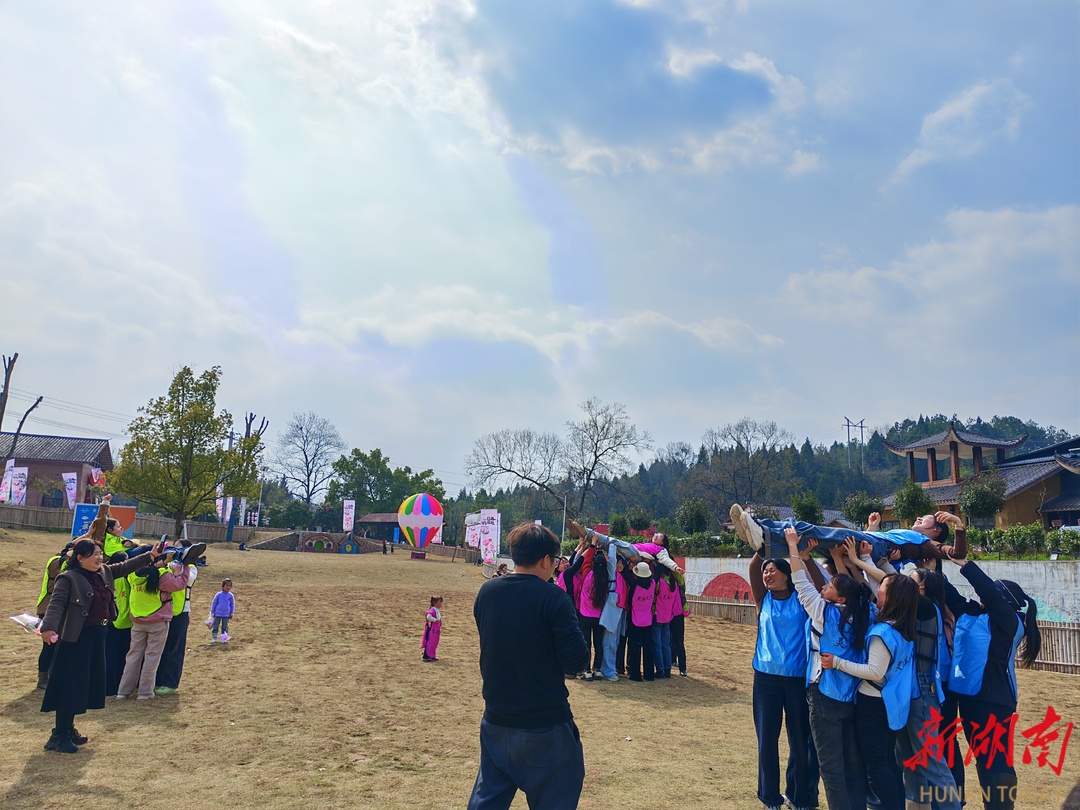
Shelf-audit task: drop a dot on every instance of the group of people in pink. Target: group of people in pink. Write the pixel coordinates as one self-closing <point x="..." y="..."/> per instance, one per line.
<point x="856" y="658"/>
<point x="631" y="605"/>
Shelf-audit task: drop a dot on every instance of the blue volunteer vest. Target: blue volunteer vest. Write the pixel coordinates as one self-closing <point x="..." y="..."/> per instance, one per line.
<point x="834" y="683"/>
<point x="781" y="639"/>
<point x="899" y="685"/>
<point x="971" y="652"/>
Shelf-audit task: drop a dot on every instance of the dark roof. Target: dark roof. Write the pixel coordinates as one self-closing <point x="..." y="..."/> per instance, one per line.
<point x="378" y="517"/>
<point x="1018" y="477"/>
<point x="34" y="447"/>
<point x="963" y="437"/>
<point x="1061" y="448"/>
<point x="1062" y="503"/>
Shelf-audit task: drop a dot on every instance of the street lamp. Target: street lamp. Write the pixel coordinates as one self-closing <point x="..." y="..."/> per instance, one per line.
<point x="258" y="516"/>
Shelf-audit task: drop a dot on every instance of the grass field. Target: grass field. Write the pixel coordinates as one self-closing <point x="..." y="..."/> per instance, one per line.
<point x="322" y="701"/>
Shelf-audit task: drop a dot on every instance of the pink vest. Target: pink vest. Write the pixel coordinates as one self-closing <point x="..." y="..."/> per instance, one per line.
<point x="621" y="589"/>
<point x="641" y="609"/>
<point x="667" y="602"/>
<point x="585" y="604"/>
<point x="651" y="548"/>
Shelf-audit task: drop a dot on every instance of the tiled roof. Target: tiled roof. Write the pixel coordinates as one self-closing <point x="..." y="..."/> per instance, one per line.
<point x="1070" y="446"/>
<point x="34" y="447"/>
<point x="378" y="517"/>
<point x="1062" y="503"/>
<point x="1018" y="477"/>
<point x="963" y="436"/>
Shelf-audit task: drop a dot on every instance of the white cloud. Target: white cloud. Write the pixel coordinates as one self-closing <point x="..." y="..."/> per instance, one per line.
<point x="965" y="124"/>
<point x="803" y="162"/>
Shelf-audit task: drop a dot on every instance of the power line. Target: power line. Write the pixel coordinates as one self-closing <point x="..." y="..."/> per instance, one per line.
<point x="71" y="407"/>
<point x="95" y="431"/>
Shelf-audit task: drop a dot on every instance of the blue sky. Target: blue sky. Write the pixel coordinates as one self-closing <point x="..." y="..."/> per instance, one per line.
<point x="430" y="220"/>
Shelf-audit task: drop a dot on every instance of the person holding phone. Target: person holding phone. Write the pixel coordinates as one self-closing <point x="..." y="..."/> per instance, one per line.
<point x="82" y="605"/>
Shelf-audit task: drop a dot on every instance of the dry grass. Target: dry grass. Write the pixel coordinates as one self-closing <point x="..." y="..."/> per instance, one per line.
<point x="322" y="700"/>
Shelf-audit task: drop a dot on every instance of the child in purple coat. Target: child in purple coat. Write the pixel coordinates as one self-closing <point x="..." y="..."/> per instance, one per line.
<point x="222" y="609"/>
<point x="432" y="629"/>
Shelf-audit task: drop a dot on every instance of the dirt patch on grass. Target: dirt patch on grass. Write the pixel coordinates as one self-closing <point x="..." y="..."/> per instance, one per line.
<point x="321" y="700"/>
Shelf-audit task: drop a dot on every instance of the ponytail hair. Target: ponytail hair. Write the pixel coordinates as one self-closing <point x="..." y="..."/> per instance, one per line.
<point x="599" y="580"/>
<point x="856" y="609"/>
<point x="152" y="575"/>
<point x="1018" y="600"/>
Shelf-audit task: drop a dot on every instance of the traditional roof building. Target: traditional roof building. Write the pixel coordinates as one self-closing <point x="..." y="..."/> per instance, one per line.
<point x="1041" y="486"/>
<point x="47" y="458"/>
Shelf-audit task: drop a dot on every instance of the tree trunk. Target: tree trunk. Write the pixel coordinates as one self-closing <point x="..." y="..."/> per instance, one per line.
<point x="178" y="525"/>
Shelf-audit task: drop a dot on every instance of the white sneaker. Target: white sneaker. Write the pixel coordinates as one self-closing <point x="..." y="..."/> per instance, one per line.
<point x="738" y="520"/>
<point x="755" y="534"/>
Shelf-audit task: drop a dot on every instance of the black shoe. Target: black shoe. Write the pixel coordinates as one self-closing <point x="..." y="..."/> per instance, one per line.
<point x="77" y="738"/>
<point x="636" y="678"/>
<point x="682" y="672"/>
<point x="61" y="743"/>
<point x="192" y="553"/>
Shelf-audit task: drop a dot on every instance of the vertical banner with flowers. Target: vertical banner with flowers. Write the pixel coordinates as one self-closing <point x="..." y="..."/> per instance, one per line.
<point x="348" y="515"/>
<point x="71" y="487"/>
<point x="220" y="502"/>
<point x="18" y="485"/>
<point x="5" y="483"/>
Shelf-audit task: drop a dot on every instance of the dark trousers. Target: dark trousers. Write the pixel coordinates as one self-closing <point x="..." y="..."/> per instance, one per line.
<point x="117" y="644"/>
<point x="997" y="778"/>
<point x="678" y="642"/>
<point x="639" y="652"/>
<point x="843" y="774"/>
<point x="546" y="764"/>
<point x="594" y="638"/>
<point x="877" y="744"/>
<point x="620" y="655"/>
<point x="779" y="700"/>
<point x="172" y="657"/>
<point x="45" y="657"/>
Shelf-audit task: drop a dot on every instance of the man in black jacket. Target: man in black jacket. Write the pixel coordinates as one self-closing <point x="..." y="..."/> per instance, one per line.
<point x="529" y="640"/>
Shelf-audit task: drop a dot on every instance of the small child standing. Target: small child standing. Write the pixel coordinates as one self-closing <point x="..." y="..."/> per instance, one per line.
<point x="222" y="610"/>
<point x="433" y="629"/>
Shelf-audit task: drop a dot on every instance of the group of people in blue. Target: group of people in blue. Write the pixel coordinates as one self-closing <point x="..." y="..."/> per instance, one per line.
<point x="855" y="657"/>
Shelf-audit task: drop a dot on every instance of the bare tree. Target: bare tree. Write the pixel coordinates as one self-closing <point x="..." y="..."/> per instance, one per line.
<point x="598" y="447"/>
<point x="9" y="451"/>
<point x="305" y="453"/>
<point x="744" y="461"/>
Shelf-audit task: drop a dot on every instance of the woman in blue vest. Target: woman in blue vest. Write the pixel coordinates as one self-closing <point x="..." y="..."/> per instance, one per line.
<point x="780" y="686"/>
<point x="888" y="685"/>
<point x="983" y="676"/>
<point x="840" y="617"/>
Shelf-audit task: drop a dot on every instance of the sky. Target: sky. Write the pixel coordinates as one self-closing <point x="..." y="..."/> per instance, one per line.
<point x="426" y="221"/>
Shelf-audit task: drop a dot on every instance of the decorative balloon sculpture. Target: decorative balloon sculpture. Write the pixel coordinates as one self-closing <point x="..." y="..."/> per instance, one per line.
<point x="420" y="518"/>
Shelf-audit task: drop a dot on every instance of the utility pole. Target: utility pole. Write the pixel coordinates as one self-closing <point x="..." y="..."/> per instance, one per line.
<point x="861" y="427"/>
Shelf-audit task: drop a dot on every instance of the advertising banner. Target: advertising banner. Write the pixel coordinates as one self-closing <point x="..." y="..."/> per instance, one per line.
<point x="71" y="487"/>
<point x="348" y="515"/>
<point x="86" y="512"/>
<point x="472" y="530"/>
<point x="5" y="483"/>
<point x="489" y="534"/>
<point x="19" y="476"/>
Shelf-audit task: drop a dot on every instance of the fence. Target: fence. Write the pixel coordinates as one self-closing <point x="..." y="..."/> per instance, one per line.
<point x="45" y="519"/>
<point x="1060" y="640"/>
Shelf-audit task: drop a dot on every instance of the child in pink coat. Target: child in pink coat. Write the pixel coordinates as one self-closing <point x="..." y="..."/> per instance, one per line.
<point x="433" y="629"/>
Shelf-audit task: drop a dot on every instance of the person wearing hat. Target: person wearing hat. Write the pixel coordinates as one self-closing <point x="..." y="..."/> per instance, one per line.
<point x="641" y="597"/>
<point x="529" y="641"/>
<point x="983" y="675"/>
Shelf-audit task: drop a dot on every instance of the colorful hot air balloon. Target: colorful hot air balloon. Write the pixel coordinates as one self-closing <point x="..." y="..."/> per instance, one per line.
<point x="420" y="518"/>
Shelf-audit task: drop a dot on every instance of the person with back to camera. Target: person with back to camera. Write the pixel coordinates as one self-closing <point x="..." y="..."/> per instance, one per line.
<point x="82" y="606"/>
<point x="529" y="640"/>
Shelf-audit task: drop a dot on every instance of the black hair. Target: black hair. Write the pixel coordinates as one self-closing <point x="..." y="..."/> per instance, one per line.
<point x="934" y="589"/>
<point x="783" y="566"/>
<point x="434" y="599"/>
<point x="943" y="532"/>
<point x="901" y="605"/>
<point x="111" y="523"/>
<point x="600" y="580"/>
<point x="529" y="544"/>
<point x="855" y="611"/>
<point x="83" y="548"/>
<point x="1017" y="599"/>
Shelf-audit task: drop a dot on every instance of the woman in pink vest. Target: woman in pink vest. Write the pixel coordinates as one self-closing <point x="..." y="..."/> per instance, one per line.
<point x="641" y="596"/>
<point x="594" y="591"/>
<point x="622" y="591"/>
<point x="667" y="602"/>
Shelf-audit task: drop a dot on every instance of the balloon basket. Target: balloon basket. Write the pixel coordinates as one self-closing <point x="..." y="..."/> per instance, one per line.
<point x="419" y="555"/>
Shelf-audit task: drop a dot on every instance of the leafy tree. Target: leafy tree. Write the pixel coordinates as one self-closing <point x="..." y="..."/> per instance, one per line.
<point x="619" y="526"/>
<point x="305" y="454"/>
<point x="175" y="459"/>
<point x="911" y="501"/>
<point x="693" y="516"/>
<point x="369" y="479"/>
<point x="859" y="506"/>
<point x="746" y="463"/>
<point x="639" y="518"/>
<point x="293" y="514"/>
<point x="807" y="507"/>
<point x="982" y="496"/>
